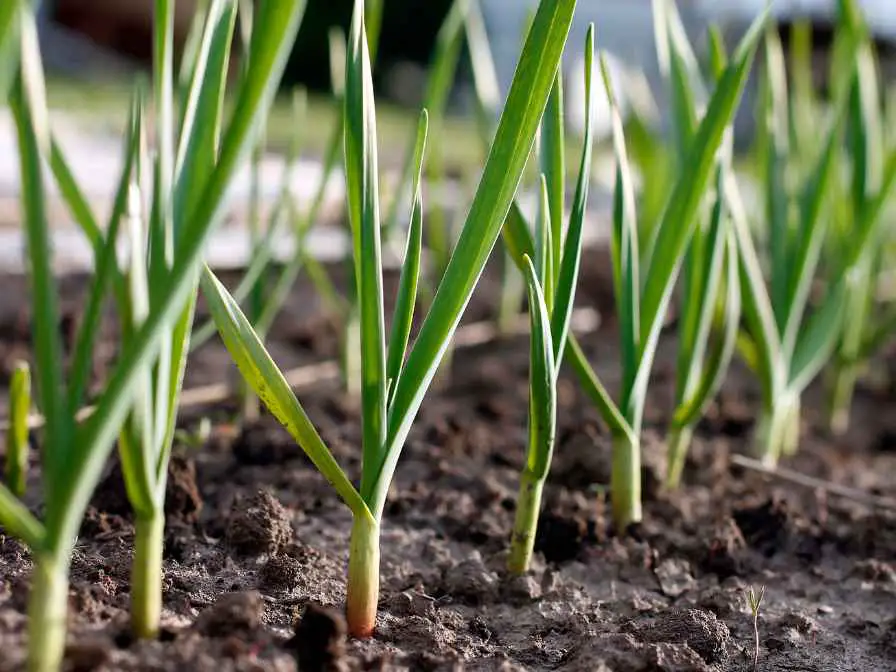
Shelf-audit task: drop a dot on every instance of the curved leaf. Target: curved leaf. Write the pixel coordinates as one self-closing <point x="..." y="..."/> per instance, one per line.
<point x="262" y="374"/>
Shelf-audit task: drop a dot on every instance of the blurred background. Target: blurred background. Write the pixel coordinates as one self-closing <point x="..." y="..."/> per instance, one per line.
<point x="93" y="50"/>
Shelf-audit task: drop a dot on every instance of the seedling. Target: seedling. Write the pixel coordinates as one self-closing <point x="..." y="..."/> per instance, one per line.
<point x="709" y="305"/>
<point x="781" y="344"/>
<point x="393" y="388"/>
<point x="74" y="453"/>
<point x="551" y="298"/>
<point x="754" y="600"/>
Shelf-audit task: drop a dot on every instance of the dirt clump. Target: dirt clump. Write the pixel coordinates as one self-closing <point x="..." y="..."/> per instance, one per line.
<point x="259" y="526"/>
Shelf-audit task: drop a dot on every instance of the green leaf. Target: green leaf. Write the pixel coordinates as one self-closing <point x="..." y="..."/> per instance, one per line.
<point x="703" y="278"/>
<point x="817" y="340"/>
<point x="568" y="274"/>
<point x="136" y="442"/>
<point x="624" y="250"/>
<point x="543" y="247"/>
<point x="777" y="172"/>
<point x="722" y="349"/>
<point x="268" y="382"/>
<point x="595" y="390"/>
<point x="542" y="379"/>
<point x="515" y="136"/>
<point x="679" y="220"/>
<point x="552" y="156"/>
<point x="277" y="22"/>
<point x="813" y="229"/>
<point x="517" y="237"/>
<point x="201" y="130"/>
<point x="28" y="104"/>
<point x="763" y="348"/>
<point x="403" y="314"/>
<point x="18" y="521"/>
<point x="363" y="196"/>
<point x="105" y="262"/>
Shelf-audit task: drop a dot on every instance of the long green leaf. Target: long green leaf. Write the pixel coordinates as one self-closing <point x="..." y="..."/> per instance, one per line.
<point x="568" y="273"/>
<point x="722" y="349"/>
<point x="504" y="168"/>
<point x="277" y="23"/>
<point x="363" y="196"/>
<point x="679" y="220"/>
<point x="200" y="133"/>
<point x="106" y="264"/>
<point x="777" y="195"/>
<point x="410" y="270"/>
<point x="552" y="156"/>
<point x="817" y="340"/>
<point x="765" y="339"/>
<point x="813" y="228"/>
<point x="543" y="246"/>
<point x="29" y="110"/>
<point x="626" y="273"/>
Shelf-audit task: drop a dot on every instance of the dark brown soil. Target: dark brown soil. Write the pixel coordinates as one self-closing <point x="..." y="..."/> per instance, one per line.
<point x="257" y="542"/>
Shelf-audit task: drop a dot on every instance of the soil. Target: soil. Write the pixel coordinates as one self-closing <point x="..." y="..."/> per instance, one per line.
<point x="257" y="542"/>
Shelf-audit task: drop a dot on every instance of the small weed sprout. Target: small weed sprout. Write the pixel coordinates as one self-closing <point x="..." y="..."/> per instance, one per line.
<point x="754" y="600"/>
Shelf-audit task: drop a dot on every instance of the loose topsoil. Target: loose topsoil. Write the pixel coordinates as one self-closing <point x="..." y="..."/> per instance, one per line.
<point x="257" y="542"/>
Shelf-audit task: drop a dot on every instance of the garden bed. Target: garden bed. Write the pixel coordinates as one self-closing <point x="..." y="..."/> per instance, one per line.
<point x="257" y="541"/>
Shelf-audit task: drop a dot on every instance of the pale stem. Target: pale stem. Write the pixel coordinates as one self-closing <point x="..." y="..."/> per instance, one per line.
<point x="778" y="430"/>
<point x="47" y="614"/>
<point x="842" y="388"/>
<point x="363" y="577"/>
<point x="525" y="524"/>
<point x="625" y="481"/>
<point x="679" y="442"/>
<point x="146" y="575"/>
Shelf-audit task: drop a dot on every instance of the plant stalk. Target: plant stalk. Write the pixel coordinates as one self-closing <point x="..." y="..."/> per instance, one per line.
<point x="679" y="443"/>
<point x="625" y="481"/>
<point x="842" y="389"/>
<point x="146" y="575"/>
<point x="363" y="577"/>
<point x="778" y="430"/>
<point x="525" y="524"/>
<point x="47" y="614"/>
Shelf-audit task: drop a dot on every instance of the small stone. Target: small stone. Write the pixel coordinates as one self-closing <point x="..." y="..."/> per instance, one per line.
<point x="674" y="577"/>
<point x="319" y="640"/>
<point x="232" y="614"/>
<point x="825" y="609"/>
<point x="261" y="526"/>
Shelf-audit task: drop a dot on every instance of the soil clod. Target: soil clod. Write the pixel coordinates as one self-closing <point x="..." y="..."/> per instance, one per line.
<point x="238" y="613"/>
<point x="259" y="526"/>
<point x="701" y="630"/>
<point x="319" y="640"/>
